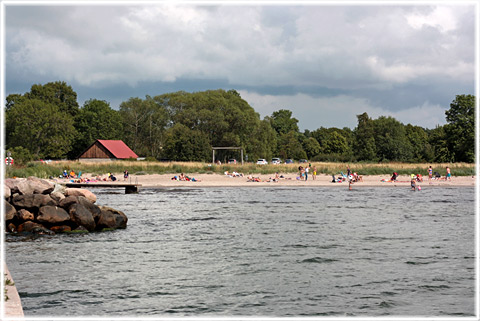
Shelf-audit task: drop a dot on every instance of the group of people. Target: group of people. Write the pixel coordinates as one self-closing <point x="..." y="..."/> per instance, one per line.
<point x="77" y="178"/>
<point x="72" y="174"/>
<point x="436" y="175"/>
<point x="351" y="177"/>
<point x="183" y="177"/>
<point x="303" y="172"/>
<point x="233" y="174"/>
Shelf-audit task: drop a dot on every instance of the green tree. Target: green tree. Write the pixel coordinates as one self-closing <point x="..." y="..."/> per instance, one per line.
<point x="144" y="124"/>
<point x="390" y="140"/>
<point x="290" y="146"/>
<point x="311" y="147"/>
<point x="438" y="139"/>
<point x="58" y="93"/>
<point x="185" y="144"/>
<point x="96" y="120"/>
<point x="224" y="117"/>
<point x="40" y="127"/>
<point x="283" y="122"/>
<point x="365" y="148"/>
<point x="418" y="138"/>
<point x="461" y="128"/>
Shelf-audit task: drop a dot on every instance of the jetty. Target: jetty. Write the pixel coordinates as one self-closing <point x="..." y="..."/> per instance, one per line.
<point x="130" y="188"/>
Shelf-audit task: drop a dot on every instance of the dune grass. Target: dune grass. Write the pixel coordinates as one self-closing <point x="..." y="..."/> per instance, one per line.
<point x="55" y="168"/>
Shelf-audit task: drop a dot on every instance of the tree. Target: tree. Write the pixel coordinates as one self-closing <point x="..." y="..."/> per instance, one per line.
<point x="438" y="139"/>
<point x="364" y="147"/>
<point x="283" y="122"/>
<point x="461" y="128"/>
<point x="96" y="120"/>
<point x="390" y="140"/>
<point x="290" y="146"/>
<point x="311" y="147"/>
<point x="185" y="144"/>
<point x="144" y="123"/>
<point x="418" y="138"/>
<point x="57" y="93"/>
<point x="40" y="127"/>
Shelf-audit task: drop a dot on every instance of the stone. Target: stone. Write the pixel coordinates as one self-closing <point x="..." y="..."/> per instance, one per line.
<point x="19" y="185"/>
<point x="57" y="196"/>
<point x="52" y="215"/>
<point x="81" y="192"/>
<point x="111" y="218"/>
<point x="9" y="211"/>
<point x="25" y="215"/>
<point x="32" y="227"/>
<point x="40" y="186"/>
<point x="94" y="209"/>
<point x="61" y="229"/>
<point x="82" y="216"/>
<point x="32" y="201"/>
<point x="7" y="192"/>
<point x="11" y="228"/>
<point x="59" y="188"/>
<point x="68" y="201"/>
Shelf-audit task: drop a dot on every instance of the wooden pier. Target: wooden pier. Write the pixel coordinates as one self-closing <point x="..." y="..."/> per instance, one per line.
<point x="129" y="188"/>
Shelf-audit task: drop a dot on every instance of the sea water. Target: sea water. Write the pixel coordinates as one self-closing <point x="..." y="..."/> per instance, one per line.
<point x="277" y="252"/>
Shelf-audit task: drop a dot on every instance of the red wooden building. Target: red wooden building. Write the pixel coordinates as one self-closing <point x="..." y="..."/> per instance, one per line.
<point x="107" y="150"/>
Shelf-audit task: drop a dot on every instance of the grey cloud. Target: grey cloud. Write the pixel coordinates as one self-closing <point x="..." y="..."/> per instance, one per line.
<point x="385" y="55"/>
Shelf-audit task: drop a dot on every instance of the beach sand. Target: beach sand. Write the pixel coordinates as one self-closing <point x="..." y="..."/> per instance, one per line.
<point x="290" y="180"/>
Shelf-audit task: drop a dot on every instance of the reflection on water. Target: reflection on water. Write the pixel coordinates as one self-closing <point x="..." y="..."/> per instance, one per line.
<point x="260" y="251"/>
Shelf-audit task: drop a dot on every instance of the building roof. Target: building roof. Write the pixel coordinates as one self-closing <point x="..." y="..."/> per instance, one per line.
<point x="118" y="148"/>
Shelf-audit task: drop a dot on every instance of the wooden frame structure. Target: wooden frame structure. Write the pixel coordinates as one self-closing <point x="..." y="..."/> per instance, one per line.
<point x="233" y="148"/>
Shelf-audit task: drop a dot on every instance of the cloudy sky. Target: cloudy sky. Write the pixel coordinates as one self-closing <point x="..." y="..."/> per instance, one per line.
<point x="327" y="63"/>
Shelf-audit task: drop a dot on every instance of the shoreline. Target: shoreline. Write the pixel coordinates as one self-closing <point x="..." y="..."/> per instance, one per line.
<point x="289" y="180"/>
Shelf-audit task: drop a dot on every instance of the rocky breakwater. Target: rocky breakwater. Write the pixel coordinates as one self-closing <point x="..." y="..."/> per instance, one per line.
<point x="34" y="205"/>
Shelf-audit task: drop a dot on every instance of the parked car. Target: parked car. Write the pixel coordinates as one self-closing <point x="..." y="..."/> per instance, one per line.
<point x="276" y="161"/>
<point x="262" y="161"/>
<point x="232" y="161"/>
<point x="303" y="161"/>
<point x="289" y="161"/>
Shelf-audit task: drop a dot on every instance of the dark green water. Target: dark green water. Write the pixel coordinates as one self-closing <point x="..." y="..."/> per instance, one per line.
<point x="274" y="252"/>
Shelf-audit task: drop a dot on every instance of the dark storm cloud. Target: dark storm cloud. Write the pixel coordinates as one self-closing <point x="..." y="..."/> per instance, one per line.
<point x="315" y="59"/>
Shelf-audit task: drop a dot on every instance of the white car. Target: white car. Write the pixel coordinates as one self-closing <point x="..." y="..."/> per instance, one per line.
<point x="262" y="161"/>
<point x="276" y="161"/>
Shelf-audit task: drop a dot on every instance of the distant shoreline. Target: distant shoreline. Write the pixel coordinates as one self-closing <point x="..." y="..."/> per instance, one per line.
<point x="289" y="180"/>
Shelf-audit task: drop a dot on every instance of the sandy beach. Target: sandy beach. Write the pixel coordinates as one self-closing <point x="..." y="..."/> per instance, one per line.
<point x="290" y="180"/>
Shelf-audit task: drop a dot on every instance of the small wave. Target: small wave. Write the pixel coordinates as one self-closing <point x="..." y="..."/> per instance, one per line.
<point x="420" y="263"/>
<point x="386" y="304"/>
<point x="318" y="260"/>
<point x="202" y="218"/>
<point x="434" y="287"/>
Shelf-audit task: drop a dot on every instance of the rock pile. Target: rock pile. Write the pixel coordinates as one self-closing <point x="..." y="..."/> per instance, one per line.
<point x="35" y="205"/>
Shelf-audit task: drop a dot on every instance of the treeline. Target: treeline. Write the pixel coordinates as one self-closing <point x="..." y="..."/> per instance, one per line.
<point x="47" y="122"/>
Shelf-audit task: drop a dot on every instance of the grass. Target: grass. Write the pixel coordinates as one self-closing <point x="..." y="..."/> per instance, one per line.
<point x="55" y="168"/>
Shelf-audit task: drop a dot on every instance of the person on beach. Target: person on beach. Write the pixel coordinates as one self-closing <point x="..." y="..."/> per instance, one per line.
<point x="348" y="171"/>
<point x="413" y="184"/>
<point x="449" y="175"/>
<point x="125" y="175"/>
<point x="306" y="173"/>
<point x="430" y="173"/>
<point x="394" y="177"/>
<point x="314" y="174"/>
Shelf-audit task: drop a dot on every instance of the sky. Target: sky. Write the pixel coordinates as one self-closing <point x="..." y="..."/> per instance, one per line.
<point x="326" y="62"/>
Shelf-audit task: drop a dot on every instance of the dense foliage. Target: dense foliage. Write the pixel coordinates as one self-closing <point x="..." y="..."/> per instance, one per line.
<point x="47" y="122"/>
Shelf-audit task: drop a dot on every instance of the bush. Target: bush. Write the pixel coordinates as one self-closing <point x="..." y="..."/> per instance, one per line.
<point x="21" y="155"/>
